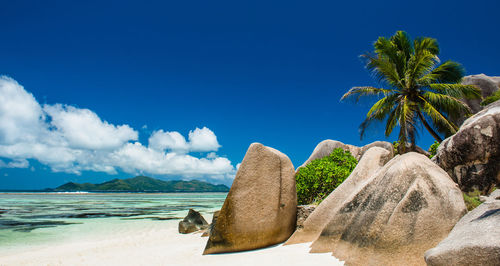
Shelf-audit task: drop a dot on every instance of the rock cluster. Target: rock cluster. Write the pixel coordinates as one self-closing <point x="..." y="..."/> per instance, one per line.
<point x="261" y="206"/>
<point x="389" y="211"/>
<point x="391" y="218"/>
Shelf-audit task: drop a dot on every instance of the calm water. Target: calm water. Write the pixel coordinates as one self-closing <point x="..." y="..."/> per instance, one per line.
<point x="35" y="218"/>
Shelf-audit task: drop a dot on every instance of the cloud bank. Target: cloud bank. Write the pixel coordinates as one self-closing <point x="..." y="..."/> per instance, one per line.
<point x="70" y="139"/>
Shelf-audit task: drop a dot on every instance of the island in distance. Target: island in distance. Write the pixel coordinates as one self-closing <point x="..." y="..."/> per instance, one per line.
<point x="142" y="184"/>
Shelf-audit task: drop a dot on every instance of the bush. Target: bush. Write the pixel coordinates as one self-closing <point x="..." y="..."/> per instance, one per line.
<point x="493" y="98"/>
<point x="433" y="149"/>
<point x="321" y="176"/>
<point x="471" y="199"/>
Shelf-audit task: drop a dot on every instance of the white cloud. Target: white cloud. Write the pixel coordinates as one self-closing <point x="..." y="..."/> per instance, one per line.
<point x="22" y="163"/>
<point x="134" y="157"/>
<point x="70" y="139"/>
<point x="83" y="129"/>
<point x="203" y="140"/>
<point x="200" y="140"/>
<point x="20" y="113"/>
<point x="174" y="141"/>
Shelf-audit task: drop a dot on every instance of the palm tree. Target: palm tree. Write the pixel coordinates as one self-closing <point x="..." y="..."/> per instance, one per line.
<point x="419" y="89"/>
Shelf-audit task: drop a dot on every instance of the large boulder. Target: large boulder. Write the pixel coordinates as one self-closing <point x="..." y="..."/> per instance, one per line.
<point x="472" y="156"/>
<point x="260" y="208"/>
<point x="192" y="222"/>
<point x="326" y="147"/>
<point x="475" y="239"/>
<point x="406" y="208"/>
<point x="372" y="161"/>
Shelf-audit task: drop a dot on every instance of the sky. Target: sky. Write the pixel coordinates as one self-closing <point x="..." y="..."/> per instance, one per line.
<point x="96" y="90"/>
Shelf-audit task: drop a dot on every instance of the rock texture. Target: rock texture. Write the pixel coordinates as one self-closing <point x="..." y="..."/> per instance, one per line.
<point x="372" y="161"/>
<point x="261" y="206"/>
<point x="214" y="220"/>
<point x="326" y="147"/>
<point x="381" y="144"/>
<point x="475" y="239"/>
<point x="472" y="156"/>
<point x="192" y="222"/>
<point x="406" y="208"/>
<point x="303" y="211"/>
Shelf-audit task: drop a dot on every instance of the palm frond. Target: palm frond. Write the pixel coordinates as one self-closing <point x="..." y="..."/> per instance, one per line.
<point x="456" y="90"/>
<point x="446" y="103"/>
<point x="392" y="120"/>
<point x="422" y="44"/>
<point x="358" y="92"/>
<point x="382" y="107"/>
<point x="377" y="112"/>
<point x="447" y="72"/>
<point x="418" y="65"/>
<point x="437" y="117"/>
<point x="403" y="42"/>
<point x="384" y="48"/>
<point x="383" y="70"/>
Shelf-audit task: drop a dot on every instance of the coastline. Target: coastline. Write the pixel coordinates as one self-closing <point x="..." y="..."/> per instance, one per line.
<point x="154" y="243"/>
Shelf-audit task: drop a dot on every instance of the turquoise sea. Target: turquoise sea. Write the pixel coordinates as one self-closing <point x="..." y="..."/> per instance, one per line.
<point x="31" y="219"/>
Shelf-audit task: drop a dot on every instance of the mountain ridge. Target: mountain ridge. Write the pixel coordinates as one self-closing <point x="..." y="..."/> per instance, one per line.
<point x="142" y="184"/>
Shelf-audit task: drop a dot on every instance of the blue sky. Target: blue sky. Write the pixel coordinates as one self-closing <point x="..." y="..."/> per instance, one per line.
<point x="237" y="71"/>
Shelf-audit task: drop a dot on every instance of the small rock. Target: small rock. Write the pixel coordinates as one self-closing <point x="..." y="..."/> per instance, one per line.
<point x="192" y="222"/>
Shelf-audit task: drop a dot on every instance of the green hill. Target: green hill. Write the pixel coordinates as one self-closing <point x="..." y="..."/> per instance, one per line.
<point x="144" y="184"/>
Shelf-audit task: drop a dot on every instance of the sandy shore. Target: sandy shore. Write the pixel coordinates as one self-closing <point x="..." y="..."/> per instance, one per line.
<point x="154" y="243"/>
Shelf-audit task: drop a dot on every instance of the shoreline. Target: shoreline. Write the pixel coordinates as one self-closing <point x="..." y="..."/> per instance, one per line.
<point x="154" y="243"/>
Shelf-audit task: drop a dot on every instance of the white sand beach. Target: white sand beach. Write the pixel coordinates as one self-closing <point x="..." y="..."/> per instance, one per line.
<point x="152" y="243"/>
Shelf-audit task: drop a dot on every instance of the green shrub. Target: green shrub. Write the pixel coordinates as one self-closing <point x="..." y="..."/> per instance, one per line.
<point x="472" y="199"/>
<point x="493" y="98"/>
<point x="321" y="176"/>
<point x="395" y="145"/>
<point x="433" y="149"/>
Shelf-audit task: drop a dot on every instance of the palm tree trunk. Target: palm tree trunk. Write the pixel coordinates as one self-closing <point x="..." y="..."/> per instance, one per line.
<point x="429" y="128"/>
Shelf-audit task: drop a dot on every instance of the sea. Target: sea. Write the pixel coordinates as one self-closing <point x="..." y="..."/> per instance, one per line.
<point x="28" y="220"/>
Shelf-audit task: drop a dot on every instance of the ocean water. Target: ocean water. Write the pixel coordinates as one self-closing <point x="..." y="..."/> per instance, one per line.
<point x="34" y="219"/>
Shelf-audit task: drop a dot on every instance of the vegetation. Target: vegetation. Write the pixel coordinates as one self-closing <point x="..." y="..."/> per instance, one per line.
<point x="144" y="184"/>
<point x="492" y="98"/>
<point x="433" y="149"/>
<point x="418" y="89"/>
<point x="395" y="145"/>
<point x="320" y="177"/>
<point x="472" y="199"/>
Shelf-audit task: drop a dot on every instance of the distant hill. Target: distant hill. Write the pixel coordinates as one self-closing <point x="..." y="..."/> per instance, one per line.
<point x="143" y="184"/>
